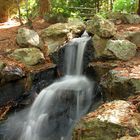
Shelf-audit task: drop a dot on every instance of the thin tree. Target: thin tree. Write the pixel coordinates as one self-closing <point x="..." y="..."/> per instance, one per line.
<point x="29" y="21"/>
<point x="19" y="12"/>
<point x="138" y="11"/>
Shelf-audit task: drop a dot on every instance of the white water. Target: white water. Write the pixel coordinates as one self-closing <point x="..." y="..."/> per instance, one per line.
<point x="57" y="107"/>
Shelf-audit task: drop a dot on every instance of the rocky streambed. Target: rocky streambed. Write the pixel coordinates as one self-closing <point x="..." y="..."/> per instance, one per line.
<point x="111" y="58"/>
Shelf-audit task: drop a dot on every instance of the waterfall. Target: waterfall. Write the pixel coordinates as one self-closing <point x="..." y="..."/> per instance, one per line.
<point x="59" y="106"/>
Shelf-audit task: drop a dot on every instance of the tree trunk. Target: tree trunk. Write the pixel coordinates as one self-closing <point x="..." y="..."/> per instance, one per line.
<point x="45" y="7"/>
<point x="3" y="16"/>
<point x="138" y="11"/>
<point x="19" y="12"/>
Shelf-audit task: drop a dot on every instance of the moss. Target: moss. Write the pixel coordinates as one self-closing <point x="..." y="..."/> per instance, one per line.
<point x="98" y="130"/>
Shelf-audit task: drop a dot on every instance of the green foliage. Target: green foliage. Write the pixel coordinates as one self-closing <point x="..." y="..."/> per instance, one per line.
<point x="61" y="11"/>
<point x="126" y="6"/>
<point x="31" y="7"/>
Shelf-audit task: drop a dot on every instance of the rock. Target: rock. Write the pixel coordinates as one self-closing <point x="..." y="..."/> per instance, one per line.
<point x="58" y="57"/>
<point x="111" y="121"/>
<point x="129" y="138"/>
<point x="76" y="27"/>
<point x="20" y="87"/>
<point x="55" y="35"/>
<point x="100" y="26"/>
<point x="132" y="18"/>
<point x="134" y="37"/>
<point x="29" y="56"/>
<point x="2" y="65"/>
<point x="123" y="17"/>
<point x="121" y="83"/>
<point x="11" y="73"/>
<point x="12" y="91"/>
<point x="97" y="69"/>
<point x="27" y="38"/>
<point x="12" y="83"/>
<point x="99" y="45"/>
<point x="120" y="49"/>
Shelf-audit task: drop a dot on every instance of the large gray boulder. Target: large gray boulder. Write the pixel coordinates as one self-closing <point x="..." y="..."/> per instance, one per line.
<point x="29" y="56"/>
<point x="120" y="49"/>
<point x="112" y="121"/>
<point x="100" y="26"/>
<point x="121" y="82"/>
<point x="28" y="38"/>
<point x="57" y="34"/>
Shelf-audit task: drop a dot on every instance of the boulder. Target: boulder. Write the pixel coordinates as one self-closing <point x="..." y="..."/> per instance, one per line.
<point x="120" y="49"/>
<point x="100" y="26"/>
<point x="121" y="82"/>
<point x="123" y="17"/>
<point x="57" y="34"/>
<point x="99" y="45"/>
<point x="20" y="87"/>
<point x="59" y="57"/>
<point x="28" y="38"/>
<point x="111" y="121"/>
<point x="134" y="37"/>
<point x="132" y="18"/>
<point x="116" y="17"/>
<point x="96" y="69"/>
<point x="29" y="56"/>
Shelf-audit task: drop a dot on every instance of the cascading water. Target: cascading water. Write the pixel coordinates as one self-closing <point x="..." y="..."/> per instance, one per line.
<point x="59" y="106"/>
<point x="63" y="102"/>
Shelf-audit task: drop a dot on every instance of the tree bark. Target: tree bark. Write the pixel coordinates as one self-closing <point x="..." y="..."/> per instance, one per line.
<point x="138" y="11"/>
<point x="45" y="7"/>
<point x="19" y="12"/>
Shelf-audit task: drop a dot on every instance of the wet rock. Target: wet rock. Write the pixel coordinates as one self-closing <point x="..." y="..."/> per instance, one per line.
<point x="12" y="83"/>
<point x="111" y="121"/>
<point x="55" y="35"/>
<point x="21" y="87"/>
<point x="121" y="82"/>
<point x="120" y="49"/>
<point x="58" y="57"/>
<point x="96" y="70"/>
<point x="100" y="26"/>
<point x="11" y="91"/>
<point x="42" y="76"/>
<point x="29" y="56"/>
<point x="28" y="38"/>
<point x="11" y="73"/>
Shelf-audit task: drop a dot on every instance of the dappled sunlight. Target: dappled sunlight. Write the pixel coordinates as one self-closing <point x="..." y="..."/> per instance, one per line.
<point x="10" y="23"/>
